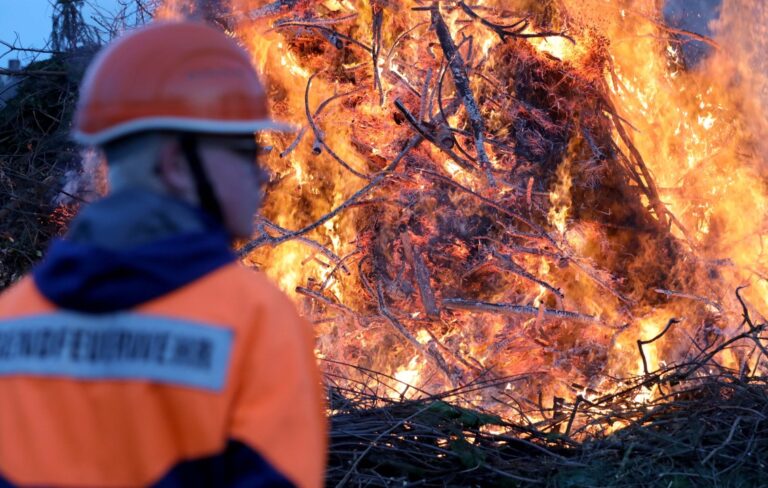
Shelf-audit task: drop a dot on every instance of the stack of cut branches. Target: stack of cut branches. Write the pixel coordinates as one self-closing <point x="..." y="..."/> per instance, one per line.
<point x="705" y="425"/>
<point x="446" y="192"/>
<point x="714" y="433"/>
<point x="35" y="154"/>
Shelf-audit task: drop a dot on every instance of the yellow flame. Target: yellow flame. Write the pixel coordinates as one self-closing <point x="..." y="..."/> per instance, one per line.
<point x="408" y="377"/>
<point x="557" y="46"/>
<point x="560" y="197"/>
<point x="701" y="134"/>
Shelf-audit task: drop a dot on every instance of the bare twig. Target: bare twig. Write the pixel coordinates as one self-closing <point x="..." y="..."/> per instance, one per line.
<point x="319" y="135"/>
<point x="428" y="352"/>
<point x="671" y="293"/>
<point x="641" y="343"/>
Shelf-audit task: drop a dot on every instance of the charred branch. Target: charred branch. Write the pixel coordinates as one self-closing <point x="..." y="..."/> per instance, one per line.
<point x="641" y="343"/>
<point x="513" y="309"/>
<point x="430" y="353"/>
<point x="318" y="111"/>
<point x="461" y="82"/>
<point x="516" y="29"/>
<point x="444" y="143"/>
<point x="421" y="274"/>
<point x="378" y="20"/>
<point x="336" y="38"/>
<point x="353" y="200"/>
<point x="319" y="138"/>
<point x="678" y="294"/>
<point x="333" y="304"/>
<point x="277" y="7"/>
<point x="508" y="264"/>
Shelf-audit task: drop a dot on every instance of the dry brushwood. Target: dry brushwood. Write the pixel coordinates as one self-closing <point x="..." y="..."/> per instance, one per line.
<point x="441" y="245"/>
<point x="708" y="428"/>
<point x="35" y="155"/>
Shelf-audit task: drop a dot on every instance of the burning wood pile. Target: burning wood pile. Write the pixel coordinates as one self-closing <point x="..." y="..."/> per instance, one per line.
<point x="536" y="196"/>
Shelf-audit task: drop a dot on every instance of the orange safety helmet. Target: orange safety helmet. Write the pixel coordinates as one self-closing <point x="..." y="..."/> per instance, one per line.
<point x="178" y="76"/>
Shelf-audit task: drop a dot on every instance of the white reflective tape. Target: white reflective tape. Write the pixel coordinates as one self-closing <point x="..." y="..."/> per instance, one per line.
<point x="117" y="346"/>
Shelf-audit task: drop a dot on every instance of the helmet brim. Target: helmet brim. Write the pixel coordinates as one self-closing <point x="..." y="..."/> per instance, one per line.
<point x="181" y="124"/>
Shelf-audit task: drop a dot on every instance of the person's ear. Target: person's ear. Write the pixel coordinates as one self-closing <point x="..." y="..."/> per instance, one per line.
<point x="173" y="170"/>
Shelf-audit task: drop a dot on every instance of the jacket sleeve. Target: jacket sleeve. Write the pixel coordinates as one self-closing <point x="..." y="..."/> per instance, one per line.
<point x="279" y="407"/>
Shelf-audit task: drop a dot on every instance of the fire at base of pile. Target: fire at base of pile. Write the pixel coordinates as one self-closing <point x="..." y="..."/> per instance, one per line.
<point x="709" y="433"/>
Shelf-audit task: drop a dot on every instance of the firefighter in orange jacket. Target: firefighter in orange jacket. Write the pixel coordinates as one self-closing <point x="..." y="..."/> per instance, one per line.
<point x="139" y="352"/>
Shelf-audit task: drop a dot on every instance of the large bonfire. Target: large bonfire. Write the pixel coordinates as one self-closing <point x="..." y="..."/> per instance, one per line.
<point x="509" y="192"/>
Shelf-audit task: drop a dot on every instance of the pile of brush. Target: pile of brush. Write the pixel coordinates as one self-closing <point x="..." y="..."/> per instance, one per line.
<point x="705" y="425"/>
<point x="502" y="219"/>
<point x="35" y="154"/>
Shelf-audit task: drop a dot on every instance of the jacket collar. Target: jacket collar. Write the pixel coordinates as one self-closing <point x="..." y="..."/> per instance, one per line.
<point x="129" y="248"/>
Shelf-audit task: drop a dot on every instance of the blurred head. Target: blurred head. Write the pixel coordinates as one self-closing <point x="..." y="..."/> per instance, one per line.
<point x="175" y="106"/>
<point x="157" y="161"/>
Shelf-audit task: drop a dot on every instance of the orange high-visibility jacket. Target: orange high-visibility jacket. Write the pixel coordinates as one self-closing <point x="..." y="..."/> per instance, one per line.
<point x="212" y="384"/>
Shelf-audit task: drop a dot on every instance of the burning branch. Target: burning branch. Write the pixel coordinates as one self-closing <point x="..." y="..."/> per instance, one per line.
<point x="513" y="309"/>
<point x="271" y="9"/>
<point x="314" y="116"/>
<point x="273" y="240"/>
<point x="331" y="303"/>
<point x="516" y="29"/>
<point x="641" y="343"/>
<point x="378" y="20"/>
<point x="351" y="201"/>
<point x="671" y="293"/>
<point x="442" y="143"/>
<point x="511" y="266"/>
<point x="429" y="352"/>
<point x="336" y="38"/>
<point x="461" y="82"/>
<point x="421" y="274"/>
<point x="319" y="135"/>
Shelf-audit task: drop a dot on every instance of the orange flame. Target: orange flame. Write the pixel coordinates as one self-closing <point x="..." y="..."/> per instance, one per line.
<point x="698" y="132"/>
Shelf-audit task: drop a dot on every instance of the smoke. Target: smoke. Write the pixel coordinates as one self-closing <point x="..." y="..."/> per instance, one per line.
<point x="695" y="16"/>
<point x="743" y="62"/>
<point x="86" y="183"/>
